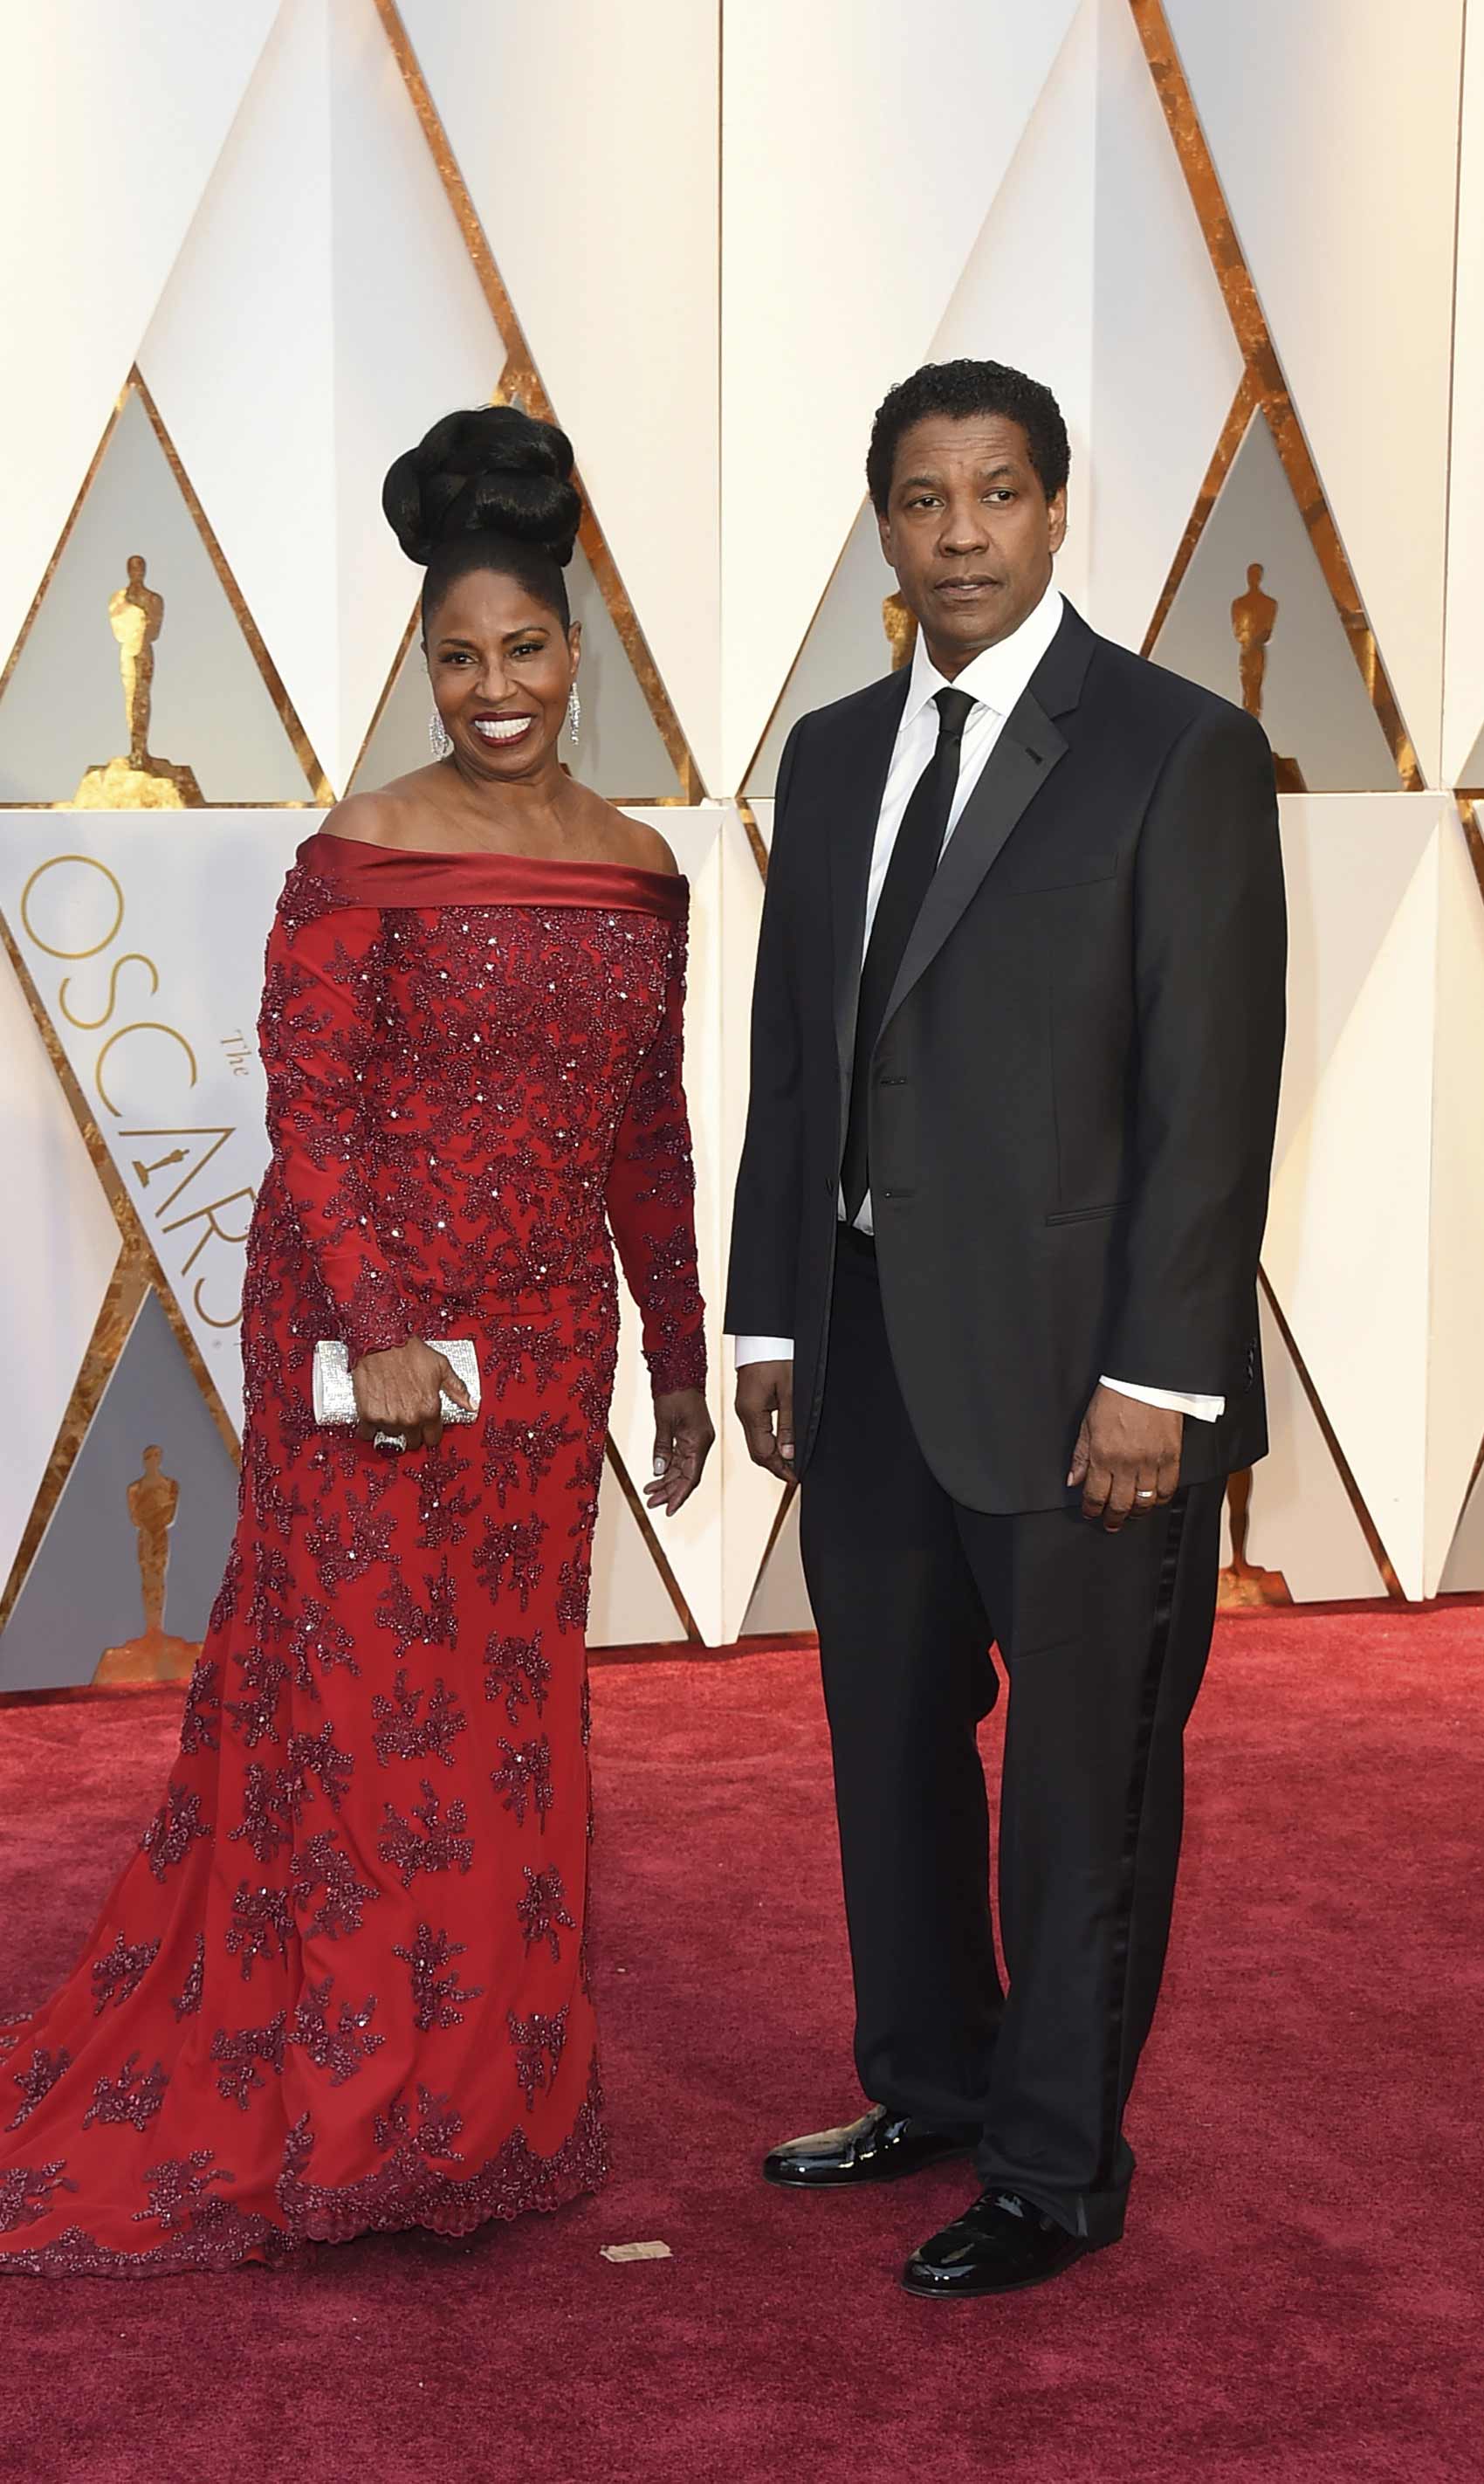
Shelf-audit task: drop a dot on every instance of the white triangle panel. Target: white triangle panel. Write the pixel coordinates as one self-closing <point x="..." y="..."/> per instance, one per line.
<point x="1300" y="1518"/>
<point x="1348" y="862"/>
<point x="62" y="1245"/>
<point x="631" y="1603"/>
<point x="1003" y="311"/>
<point x="116" y="119"/>
<point x="250" y="295"/>
<point x="323" y="313"/>
<point x="862" y="145"/>
<point x="1354" y="270"/>
<point x="1463" y="688"/>
<point x="413" y="338"/>
<point x="1347" y="1245"/>
<point x="1166" y="365"/>
<point x="587" y="138"/>
<point x="163" y="1048"/>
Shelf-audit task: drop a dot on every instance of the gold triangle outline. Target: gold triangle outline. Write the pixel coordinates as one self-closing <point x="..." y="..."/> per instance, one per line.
<point x="135" y="385"/>
<point x="1474" y="838"/>
<point x="753" y="834"/>
<point x="60" y="547"/>
<point x="272" y="679"/>
<point x="656" y="1550"/>
<point x="1233" y="431"/>
<point x="783" y="690"/>
<point x="1265" y="372"/>
<point x="783" y="686"/>
<point x="1342" y="1467"/>
<point x="1473" y="834"/>
<point x="521" y="377"/>
<point x="387" y="688"/>
<point x="137" y="1272"/>
<point x="620" y="801"/>
<point x="124" y="1299"/>
<point x="133" y="1236"/>
<point x="786" y="1500"/>
<point x="1263" y="389"/>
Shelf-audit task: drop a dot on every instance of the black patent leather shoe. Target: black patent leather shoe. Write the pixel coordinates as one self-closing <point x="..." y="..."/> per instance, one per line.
<point x="998" y="2245"/>
<point x="882" y="2146"/>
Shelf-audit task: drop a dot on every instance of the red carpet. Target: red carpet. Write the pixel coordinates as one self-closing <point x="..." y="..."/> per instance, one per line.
<point x="1302" y="2290"/>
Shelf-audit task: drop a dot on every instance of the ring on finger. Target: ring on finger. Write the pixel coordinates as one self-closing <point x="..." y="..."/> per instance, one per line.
<point x="395" y="1441"/>
<point x="1145" y="1495"/>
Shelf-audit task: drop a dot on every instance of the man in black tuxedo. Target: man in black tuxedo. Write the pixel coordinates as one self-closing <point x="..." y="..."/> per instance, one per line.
<point x="1016" y="1037"/>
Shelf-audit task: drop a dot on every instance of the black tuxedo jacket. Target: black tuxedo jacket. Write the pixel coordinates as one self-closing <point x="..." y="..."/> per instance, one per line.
<point x="1075" y="1088"/>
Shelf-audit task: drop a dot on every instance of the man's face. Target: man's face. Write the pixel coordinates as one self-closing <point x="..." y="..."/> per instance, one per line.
<point x="969" y="532"/>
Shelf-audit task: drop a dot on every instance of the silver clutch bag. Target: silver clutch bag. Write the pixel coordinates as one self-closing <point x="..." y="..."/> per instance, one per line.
<point x="335" y="1395"/>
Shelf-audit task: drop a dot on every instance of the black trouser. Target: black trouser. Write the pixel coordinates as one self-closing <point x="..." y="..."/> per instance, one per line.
<point x="1104" y="1640"/>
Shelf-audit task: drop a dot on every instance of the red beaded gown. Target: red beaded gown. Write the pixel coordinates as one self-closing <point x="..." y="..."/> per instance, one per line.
<point x="343" y="1984"/>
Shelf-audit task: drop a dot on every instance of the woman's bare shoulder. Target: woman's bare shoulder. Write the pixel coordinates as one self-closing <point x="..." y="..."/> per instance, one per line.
<point x="636" y="846"/>
<point x="391" y="816"/>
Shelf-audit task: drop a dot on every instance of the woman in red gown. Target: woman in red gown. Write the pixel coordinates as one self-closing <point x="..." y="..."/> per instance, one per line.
<point x="342" y="1986"/>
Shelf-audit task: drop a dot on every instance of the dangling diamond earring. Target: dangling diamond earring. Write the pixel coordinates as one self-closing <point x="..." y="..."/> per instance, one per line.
<point x="574" y="715"/>
<point x="440" y="739"/>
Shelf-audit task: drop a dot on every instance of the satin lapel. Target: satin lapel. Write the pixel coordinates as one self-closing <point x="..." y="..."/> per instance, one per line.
<point x="1018" y="766"/>
<point x="861" y="785"/>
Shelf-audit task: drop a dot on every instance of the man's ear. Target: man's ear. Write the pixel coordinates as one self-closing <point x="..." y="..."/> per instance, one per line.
<point x="1056" y="519"/>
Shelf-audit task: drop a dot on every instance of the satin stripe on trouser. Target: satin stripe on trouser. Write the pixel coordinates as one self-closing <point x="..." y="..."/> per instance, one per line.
<point x="1104" y="1640"/>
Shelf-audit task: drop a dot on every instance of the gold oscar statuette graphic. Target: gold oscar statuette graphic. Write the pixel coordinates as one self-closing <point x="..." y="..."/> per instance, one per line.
<point x="1242" y="1587"/>
<point x="154" y="1655"/>
<point x="900" y="628"/>
<point x="141" y="782"/>
<point x="1252" y="619"/>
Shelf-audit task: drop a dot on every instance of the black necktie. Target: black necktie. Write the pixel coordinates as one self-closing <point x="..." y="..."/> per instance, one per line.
<point x="908" y="874"/>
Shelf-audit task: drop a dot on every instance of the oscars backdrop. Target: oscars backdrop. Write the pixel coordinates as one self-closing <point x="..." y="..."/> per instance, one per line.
<point x="250" y="254"/>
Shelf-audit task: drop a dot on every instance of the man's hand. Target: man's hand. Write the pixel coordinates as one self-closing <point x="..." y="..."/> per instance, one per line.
<point x="765" y="1392"/>
<point x="1127" y="1458"/>
<point x="683" y="1439"/>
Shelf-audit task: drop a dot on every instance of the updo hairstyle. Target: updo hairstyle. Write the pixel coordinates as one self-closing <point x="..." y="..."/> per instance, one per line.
<point x="490" y="489"/>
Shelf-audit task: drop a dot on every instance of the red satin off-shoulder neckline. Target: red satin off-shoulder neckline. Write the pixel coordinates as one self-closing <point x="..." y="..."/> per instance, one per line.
<point x="368" y="874"/>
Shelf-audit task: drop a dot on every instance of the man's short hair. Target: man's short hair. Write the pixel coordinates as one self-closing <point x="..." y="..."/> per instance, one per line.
<point x="963" y="389"/>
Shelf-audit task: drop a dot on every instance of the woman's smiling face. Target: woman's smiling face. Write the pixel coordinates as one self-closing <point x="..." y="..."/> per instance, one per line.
<point x="501" y="667"/>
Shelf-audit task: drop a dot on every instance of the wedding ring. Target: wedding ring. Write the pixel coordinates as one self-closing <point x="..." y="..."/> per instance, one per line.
<point x="1145" y="1495"/>
<point x="393" y="1440"/>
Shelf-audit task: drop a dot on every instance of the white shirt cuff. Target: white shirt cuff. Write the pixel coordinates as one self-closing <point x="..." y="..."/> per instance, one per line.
<point x="762" y="1349"/>
<point x="1206" y="1410"/>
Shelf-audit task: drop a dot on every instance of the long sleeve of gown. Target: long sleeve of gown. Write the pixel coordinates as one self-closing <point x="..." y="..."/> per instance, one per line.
<point x="651" y="1200"/>
<point x="324" y="975"/>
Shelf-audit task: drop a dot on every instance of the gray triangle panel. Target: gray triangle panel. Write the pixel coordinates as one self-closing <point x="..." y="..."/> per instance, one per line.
<point x="63" y="710"/>
<point x="83" y="1593"/>
<point x="620" y="751"/>
<point x="1315" y="708"/>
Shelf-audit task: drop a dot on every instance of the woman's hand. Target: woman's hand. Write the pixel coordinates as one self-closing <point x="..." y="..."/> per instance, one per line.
<point x="398" y="1392"/>
<point x="683" y="1441"/>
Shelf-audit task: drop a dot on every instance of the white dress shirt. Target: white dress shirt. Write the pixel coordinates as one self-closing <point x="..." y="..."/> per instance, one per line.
<point x="995" y="681"/>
